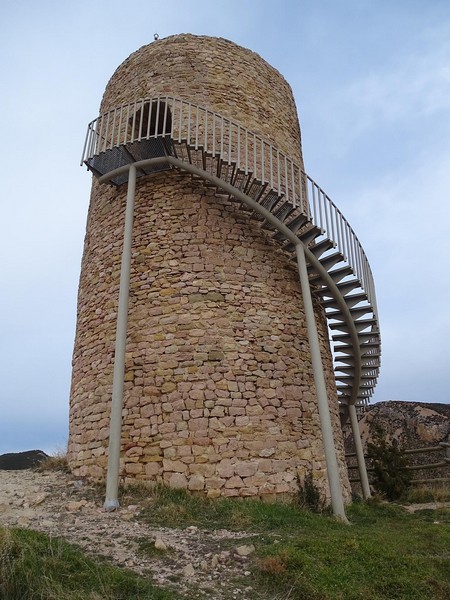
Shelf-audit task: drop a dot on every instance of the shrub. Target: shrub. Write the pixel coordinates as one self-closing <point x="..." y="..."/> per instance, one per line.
<point x="390" y="476"/>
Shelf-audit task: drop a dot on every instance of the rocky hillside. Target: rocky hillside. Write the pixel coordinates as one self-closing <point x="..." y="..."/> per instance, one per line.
<point x="410" y="425"/>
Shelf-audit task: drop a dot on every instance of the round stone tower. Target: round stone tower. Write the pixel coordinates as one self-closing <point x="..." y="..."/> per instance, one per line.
<point x="219" y="394"/>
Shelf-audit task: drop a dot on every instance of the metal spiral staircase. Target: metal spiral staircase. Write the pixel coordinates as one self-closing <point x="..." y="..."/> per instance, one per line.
<point x="165" y="133"/>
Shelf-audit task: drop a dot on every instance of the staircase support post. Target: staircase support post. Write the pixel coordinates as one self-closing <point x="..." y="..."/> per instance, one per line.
<point x="334" y="481"/>
<point x="115" y="425"/>
<point x="359" y="452"/>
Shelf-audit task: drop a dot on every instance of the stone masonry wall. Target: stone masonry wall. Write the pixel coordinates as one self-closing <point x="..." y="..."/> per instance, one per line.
<point x="219" y="392"/>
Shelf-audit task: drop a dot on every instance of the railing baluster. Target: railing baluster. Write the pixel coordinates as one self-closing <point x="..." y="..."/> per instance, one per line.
<point x="166" y="108"/>
<point x="196" y="129"/>
<point x="262" y="161"/>
<point x="214" y="136"/>
<point x="349" y="246"/>
<point x="230" y="128"/>
<point x="125" y="133"/>
<point x="149" y="120"/>
<point x="239" y="147"/>
<point x="134" y="123"/>
<point x="206" y="131"/>
<point x="271" y="165"/>
<point x="300" y="191"/>
<point x="278" y="173"/>
<point x="92" y="140"/>
<point x="308" y="203"/>
<point x="315" y="212"/>
<point x="105" y="134"/>
<point x="344" y="247"/>
<point x="158" y="109"/>
<point x="172" y="125"/>
<point x="294" y="198"/>
<point x="286" y="182"/>
<point x="325" y="210"/>
<point x="180" y="122"/>
<point x="338" y="231"/>
<point x="141" y="121"/>
<point x="331" y="209"/>
<point x="112" y="129"/>
<point x="120" y="126"/>
<point x="87" y="140"/>
<point x="246" y="151"/>
<point x="254" y="157"/>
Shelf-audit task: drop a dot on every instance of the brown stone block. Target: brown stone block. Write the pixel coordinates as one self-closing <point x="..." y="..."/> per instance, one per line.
<point x="196" y="482"/>
<point x="174" y="465"/>
<point x="133" y="468"/>
<point x="198" y="424"/>
<point x="177" y="481"/>
<point x="246" y="468"/>
<point x="204" y="469"/>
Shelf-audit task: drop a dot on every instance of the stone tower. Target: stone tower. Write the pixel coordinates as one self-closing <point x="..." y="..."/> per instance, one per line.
<point x="219" y="394"/>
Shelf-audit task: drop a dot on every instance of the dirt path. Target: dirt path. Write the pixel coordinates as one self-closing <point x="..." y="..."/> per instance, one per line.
<point x="200" y="564"/>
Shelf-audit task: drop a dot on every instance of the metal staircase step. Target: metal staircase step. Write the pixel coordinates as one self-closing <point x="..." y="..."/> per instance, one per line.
<point x="356" y="312"/>
<point x="241" y="180"/>
<point x="348" y="348"/>
<point x="350" y="361"/>
<point x="269" y="200"/>
<point x="351" y="301"/>
<point x="329" y="261"/>
<point x="293" y="225"/>
<point x="348" y="286"/>
<point x="365" y="371"/>
<point x="226" y="171"/>
<point x="255" y="189"/>
<point x="360" y="325"/>
<point x="282" y="211"/>
<point x="320" y="247"/>
<point x="309" y="234"/>
<point x="363" y="337"/>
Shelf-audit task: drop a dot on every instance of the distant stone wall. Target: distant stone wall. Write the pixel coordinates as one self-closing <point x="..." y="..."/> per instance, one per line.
<point x="219" y="392"/>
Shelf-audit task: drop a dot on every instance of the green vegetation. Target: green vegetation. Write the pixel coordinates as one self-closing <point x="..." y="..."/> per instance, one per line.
<point x="430" y="492"/>
<point x="390" y="476"/>
<point x="36" y="567"/>
<point x="56" y="462"/>
<point x="385" y="554"/>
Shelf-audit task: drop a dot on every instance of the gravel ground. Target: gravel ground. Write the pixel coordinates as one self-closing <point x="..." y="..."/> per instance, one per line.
<point x="197" y="563"/>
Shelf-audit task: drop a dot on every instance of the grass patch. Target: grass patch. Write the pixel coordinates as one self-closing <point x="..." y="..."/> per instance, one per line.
<point x="36" y="567"/>
<point x="57" y="462"/>
<point x="385" y="554"/>
<point x="176" y="508"/>
<point x="432" y="492"/>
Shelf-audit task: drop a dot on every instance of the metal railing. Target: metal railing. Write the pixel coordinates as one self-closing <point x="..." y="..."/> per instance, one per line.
<point x="227" y="140"/>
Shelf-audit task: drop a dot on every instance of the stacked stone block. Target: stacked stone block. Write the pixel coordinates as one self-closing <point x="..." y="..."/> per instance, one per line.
<point x="219" y="392"/>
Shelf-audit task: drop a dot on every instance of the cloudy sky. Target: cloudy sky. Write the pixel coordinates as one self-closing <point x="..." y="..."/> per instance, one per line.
<point x="372" y="85"/>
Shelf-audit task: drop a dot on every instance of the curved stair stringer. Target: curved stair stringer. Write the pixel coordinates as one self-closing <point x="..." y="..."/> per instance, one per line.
<point x="287" y="233"/>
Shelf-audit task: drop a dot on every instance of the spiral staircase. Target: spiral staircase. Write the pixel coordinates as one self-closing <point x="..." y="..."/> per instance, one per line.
<point x="276" y="195"/>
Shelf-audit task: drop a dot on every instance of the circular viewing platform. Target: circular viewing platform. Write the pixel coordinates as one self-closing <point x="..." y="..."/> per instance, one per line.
<point x="165" y="132"/>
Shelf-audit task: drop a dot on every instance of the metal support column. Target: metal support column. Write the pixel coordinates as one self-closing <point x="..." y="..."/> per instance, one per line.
<point x="359" y="452"/>
<point x="115" y="426"/>
<point x="337" y="501"/>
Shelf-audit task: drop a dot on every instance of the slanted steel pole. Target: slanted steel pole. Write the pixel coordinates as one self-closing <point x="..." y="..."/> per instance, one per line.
<point x="337" y="500"/>
<point x="359" y="452"/>
<point x="115" y="425"/>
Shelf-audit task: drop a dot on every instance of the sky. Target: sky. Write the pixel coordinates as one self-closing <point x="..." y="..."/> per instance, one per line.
<point x="371" y="81"/>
